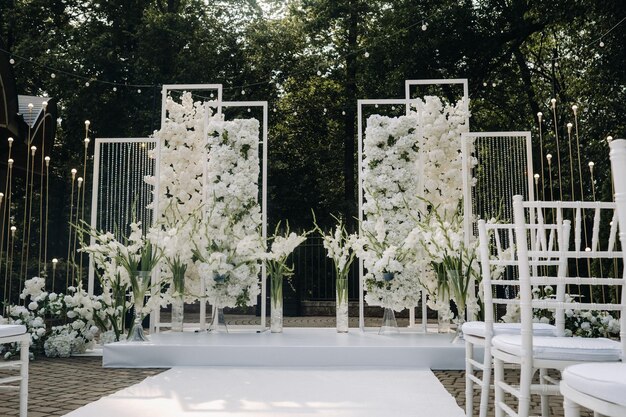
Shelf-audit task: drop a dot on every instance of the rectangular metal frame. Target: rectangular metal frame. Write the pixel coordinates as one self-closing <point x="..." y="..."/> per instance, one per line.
<point x="94" y="194"/>
<point x="408" y="103"/>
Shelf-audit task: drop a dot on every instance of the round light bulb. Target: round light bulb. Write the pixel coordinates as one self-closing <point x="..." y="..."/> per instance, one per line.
<point x="366" y="54"/>
<point x="609" y="139"/>
<point x="139" y="91"/>
<point x="601" y="44"/>
<point x="319" y="73"/>
<point x="10" y="140"/>
<point x="114" y="88"/>
<point x="86" y="83"/>
<point x="11" y="61"/>
<point x="553" y="101"/>
<point x="424" y="26"/>
<point x="243" y="92"/>
<point x="539" y="115"/>
<point x="53" y="75"/>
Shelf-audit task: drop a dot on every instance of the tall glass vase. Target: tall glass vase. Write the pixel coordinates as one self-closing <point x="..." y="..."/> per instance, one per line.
<point x="178" y="307"/>
<point x="276" y="304"/>
<point x="457" y="284"/>
<point x="178" y="303"/>
<point x="342" y="305"/>
<point x="142" y="282"/>
<point x="218" y="321"/>
<point x="389" y="326"/>
<point x="443" y="320"/>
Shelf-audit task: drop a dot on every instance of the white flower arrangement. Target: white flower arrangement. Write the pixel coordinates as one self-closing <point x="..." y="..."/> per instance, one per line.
<point x="80" y="310"/>
<point x="209" y="172"/>
<point x="578" y="322"/>
<point x="398" y="152"/>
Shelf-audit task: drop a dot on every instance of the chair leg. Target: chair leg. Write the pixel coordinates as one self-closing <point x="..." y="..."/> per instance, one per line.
<point x="570" y="408"/>
<point x="24" y="359"/>
<point x="469" y="384"/>
<point x="486" y="382"/>
<point x="498" y="377"/>
<point x="526" y="379"/>
<point x="545" y="399"/>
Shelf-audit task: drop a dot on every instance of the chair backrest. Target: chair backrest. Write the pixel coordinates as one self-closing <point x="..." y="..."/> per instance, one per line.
<point x="618" y="168"/>
<point x="590" y="267"/>
<point x="499" y="262"/>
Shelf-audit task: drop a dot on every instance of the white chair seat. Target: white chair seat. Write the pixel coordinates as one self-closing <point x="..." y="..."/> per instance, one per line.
<point x="563" y="348"/>
<point x="606" y="381"/>
<point x="7" y="330"/>
<point x="477" y="329"/>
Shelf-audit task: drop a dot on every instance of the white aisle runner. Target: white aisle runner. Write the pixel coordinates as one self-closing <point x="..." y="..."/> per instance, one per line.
<point x="265" y="392"/>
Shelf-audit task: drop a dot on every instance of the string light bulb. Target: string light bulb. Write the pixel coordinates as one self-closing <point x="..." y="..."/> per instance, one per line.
<point x="139" y="91"/>
<point x="86" y="83"/>
<point x="11" y="61"/>
<point x="601" y="44"/>
<point x="114" y="89"/>
<point x="53" y="75"/>
<point x="319" y="73"/>
<point x="243" y="92"/>
<point x="366" y="54"/>
<point x="609" y="139"/>
<point x="424" y="26"/>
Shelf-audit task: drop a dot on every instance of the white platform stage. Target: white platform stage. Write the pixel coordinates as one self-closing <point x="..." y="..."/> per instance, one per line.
<point x="293" y="347"/>
<point x="270" y="392"/>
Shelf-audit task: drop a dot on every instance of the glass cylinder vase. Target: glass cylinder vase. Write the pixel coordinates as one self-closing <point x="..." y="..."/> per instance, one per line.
<point x="443" y="320"/>
<point x="389" y="326"/>
<point x="178" y="307"/>
<point x="276" y="304"/>
<point x="141" y="284"/>
<point x="218" y="321"/>
<point x="342" y="305"/>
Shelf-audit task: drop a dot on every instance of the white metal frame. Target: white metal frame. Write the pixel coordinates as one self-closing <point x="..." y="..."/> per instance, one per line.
<point x="408" y="103"/>
<point x="467" y="189"/>
<point x="94" y="193"/>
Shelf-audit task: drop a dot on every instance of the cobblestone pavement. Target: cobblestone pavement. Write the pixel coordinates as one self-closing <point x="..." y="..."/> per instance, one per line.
<point x="58" y="386"/>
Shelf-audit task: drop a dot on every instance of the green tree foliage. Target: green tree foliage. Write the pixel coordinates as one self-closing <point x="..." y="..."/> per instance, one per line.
<point x="311" y="59"/>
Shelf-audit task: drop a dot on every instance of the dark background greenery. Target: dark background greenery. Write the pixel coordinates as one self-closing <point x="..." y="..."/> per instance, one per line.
<point x="517" y="55"/>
